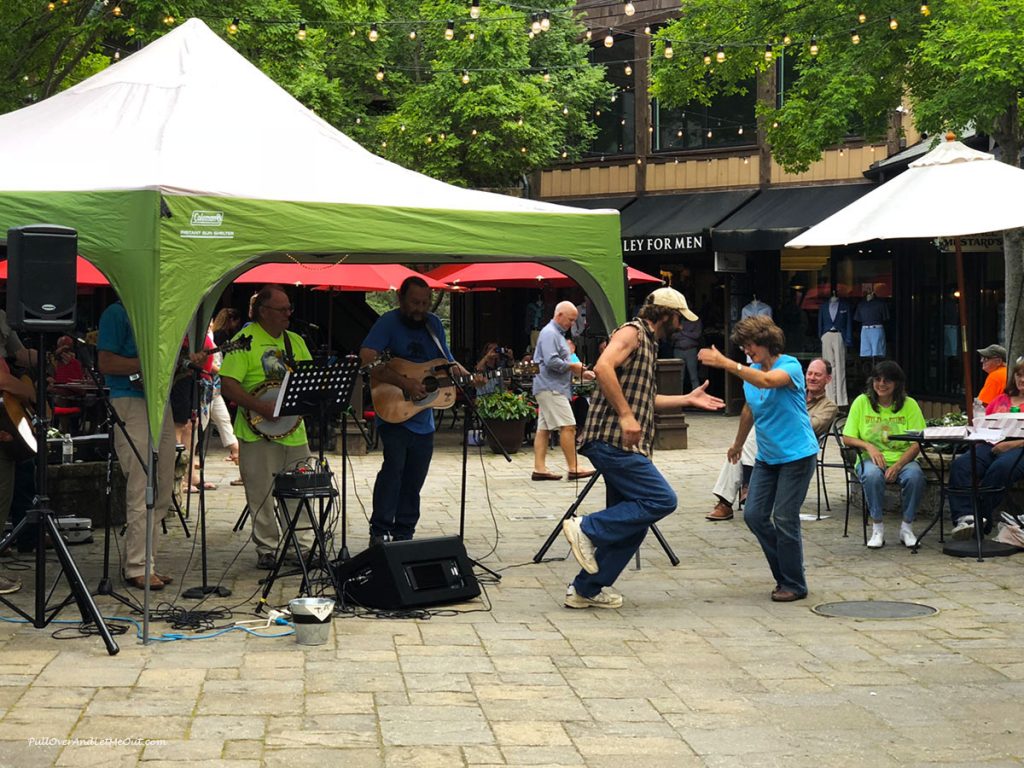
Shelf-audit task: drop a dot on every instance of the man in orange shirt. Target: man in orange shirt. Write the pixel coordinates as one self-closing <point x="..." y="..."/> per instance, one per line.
<point x="993" y="363"/>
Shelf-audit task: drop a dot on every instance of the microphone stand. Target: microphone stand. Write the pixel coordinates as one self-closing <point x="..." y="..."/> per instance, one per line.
<point x="470" y="409"/>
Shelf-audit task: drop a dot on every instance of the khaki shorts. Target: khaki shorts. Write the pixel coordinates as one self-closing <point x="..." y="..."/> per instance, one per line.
<point x="554" y="411"/>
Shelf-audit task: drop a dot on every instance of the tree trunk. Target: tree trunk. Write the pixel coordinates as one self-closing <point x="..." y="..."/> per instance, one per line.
<point x="767" y="87"/>
<point x="1008" y="136"/>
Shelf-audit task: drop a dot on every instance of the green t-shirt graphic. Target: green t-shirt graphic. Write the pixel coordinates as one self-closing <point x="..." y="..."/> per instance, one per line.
<point x="864" y="424"/>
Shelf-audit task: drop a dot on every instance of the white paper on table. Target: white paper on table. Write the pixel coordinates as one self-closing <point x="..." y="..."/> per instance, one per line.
<point x="986" y="435"/>
<point x="937" y="433"/>
<point x="1010" y="425"/>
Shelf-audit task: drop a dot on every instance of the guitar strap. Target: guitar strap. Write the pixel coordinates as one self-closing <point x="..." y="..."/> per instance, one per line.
<point x="289" y="358"/>
<point x="437" y="342"/>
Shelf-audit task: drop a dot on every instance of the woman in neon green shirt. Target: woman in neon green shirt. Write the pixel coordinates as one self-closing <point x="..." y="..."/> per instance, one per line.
<point x="885" y="409"/>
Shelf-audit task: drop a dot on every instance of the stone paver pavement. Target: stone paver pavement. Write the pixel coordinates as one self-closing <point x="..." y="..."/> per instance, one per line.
<point x="698" y="668"/>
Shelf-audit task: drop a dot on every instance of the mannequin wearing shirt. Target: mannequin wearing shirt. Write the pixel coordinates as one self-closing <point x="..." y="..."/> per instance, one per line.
<point x="835" y="330"/>
<point x="871" y="314"/>
<point x="755" y="308"/>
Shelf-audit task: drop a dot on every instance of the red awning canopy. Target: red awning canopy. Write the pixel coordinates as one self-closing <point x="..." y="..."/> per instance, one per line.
<point x="345" y="277"/>
<point x="516" y="274"/>
<point x="88" y="275"/>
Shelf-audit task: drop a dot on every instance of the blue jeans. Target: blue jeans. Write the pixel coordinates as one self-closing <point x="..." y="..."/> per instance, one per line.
<point x="993" y="472"/>
<point x="912" y="483"/>
<point x="772" y="513"/>
<point x="637" y="496"/>
<point x="396" y="493"/>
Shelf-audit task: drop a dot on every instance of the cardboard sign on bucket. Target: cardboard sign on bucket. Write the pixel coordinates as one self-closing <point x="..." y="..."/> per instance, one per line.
<point x="311" y="617"/>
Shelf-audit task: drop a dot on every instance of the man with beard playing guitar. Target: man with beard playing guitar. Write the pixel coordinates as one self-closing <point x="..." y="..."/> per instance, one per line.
<point x="416" y="335"/>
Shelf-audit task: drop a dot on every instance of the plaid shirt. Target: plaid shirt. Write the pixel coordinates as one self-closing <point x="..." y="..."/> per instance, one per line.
<point x="636" y="377"/>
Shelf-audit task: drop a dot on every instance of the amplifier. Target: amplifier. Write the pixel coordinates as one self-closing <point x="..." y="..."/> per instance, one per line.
<point x="408" y="574"/>
<point x="301" y="480"/>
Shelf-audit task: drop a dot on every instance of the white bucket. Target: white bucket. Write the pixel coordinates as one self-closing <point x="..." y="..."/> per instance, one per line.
<point x="311" y="617"/>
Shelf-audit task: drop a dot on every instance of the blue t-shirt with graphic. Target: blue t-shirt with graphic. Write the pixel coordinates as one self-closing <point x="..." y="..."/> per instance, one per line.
<point x="783" y="427"/>
<point x="414" y="345"/>
<point x="116" y="336"/>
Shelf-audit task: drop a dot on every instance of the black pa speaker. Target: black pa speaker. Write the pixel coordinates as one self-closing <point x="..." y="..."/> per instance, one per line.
<point x="408" y="574"/>
<point x="41" y="277"/>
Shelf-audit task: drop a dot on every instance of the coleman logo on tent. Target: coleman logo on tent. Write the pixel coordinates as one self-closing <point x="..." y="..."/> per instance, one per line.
<point x="207" y="218"/>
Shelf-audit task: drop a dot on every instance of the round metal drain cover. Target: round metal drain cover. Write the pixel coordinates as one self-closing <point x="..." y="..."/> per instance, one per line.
<point x="874" y="609"/>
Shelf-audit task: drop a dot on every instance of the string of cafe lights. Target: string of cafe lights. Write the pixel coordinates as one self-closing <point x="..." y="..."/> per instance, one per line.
<point x="540" y="21"/>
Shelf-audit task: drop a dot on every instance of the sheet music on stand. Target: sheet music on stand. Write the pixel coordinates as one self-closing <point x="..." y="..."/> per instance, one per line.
<point x="309" y="385"/>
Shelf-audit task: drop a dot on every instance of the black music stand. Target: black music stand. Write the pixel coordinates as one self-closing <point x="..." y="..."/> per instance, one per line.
<point x="571" y="512"/>
<point x="320" y="388"/>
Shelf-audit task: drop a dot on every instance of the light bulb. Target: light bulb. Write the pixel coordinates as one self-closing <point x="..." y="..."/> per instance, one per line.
<point x="786" y="39"/>
<point x="546" y="75"/>
<point x="588" y="35"/>
<point x="117" y="10"/>
<point x="233" y="26"/>
<point x="383" y="145"/>
<point x="401" y="128"/>
<point x="669" y="53"/>
<point x="629" y="9"/>
<point x="893" y="24"/>
<point x="564" y="154"/>
<point x="301" y="34"/>
<point x="628" y="70"/>
<point x="472" y="36"/>
<point x="775" y="124"/>
<point x="473" y="132"/>
<point x="51" y="6"/>
<point x="769" y="54"/>
<point x="519" y="121"/>
<point x="117" y="55"/>
<point x="925" y="10"/>
<point x="565" y="111"/>
<point x="535" y="23"/>
<point x="449" y="30"/>
<point x="523" y="150"/>
<point x="380" y="73"/>
<point x="465" y="77"/>
<point x="679" y="134"/>
<point x="169" y="20"/>
<point x="474" y="9"/>
<point x="862" y="17"/>
<point x="814" y="47"/>
<point x="412" y="34"/>
<point x="854" y="37"/>
<point x="707" y="58"/>
<point x="429" y="140"/>
<point x="720" y="55"/>
<point x="739" y="131"/>
<point x="373" y="34"/>
<point x="609" y="41"/>
<point x="710" y="134"/>
<point x="545" y="21"/>
<point x="597" y="113"/>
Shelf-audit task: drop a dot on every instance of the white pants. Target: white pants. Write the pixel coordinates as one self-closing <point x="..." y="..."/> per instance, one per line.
<point x="221" y="419"/>
<point x="730" y="478"/>
<point x="834" y="351"/>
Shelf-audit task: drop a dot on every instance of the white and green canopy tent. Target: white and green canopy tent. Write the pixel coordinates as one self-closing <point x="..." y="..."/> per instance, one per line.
<point x="183" y="164"/>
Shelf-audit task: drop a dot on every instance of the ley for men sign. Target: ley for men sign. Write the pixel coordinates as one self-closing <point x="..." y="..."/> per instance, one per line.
<point x="692" y="243"/>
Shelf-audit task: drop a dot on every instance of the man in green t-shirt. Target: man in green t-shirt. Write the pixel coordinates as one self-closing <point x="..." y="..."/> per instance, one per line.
<point x="243" y="375"/>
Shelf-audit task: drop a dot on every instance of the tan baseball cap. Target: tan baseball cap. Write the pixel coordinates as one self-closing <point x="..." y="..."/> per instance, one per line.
<point x="673" y="299"/>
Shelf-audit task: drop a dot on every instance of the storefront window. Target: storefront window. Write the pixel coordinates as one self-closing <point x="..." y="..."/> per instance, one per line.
<point x="727" y="122"/>
<point x="617" y="121"/>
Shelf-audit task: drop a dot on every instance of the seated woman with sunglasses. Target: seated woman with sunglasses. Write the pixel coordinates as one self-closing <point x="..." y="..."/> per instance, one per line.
<point x="998" y="466"/>
<point x="885" y="409"/>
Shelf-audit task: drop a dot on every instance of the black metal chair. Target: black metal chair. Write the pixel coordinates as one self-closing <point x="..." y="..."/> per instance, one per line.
<point x="823" y="463"/>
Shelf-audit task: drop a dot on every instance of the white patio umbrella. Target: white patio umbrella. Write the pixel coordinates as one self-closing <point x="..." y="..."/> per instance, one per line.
<point x="952" y="191"/>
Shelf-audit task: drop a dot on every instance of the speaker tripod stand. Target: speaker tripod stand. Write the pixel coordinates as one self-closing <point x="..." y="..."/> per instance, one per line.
<point x="571" y="513"/>
<point x="45" y="520"/>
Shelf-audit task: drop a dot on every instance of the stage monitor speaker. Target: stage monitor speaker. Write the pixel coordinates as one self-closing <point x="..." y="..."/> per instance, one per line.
<point x="42" y="277"/>
<point x="408" y="574"/>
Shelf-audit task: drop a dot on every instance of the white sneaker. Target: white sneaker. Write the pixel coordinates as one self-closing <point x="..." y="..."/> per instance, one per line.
<point x="963" y="529"/>
<point x="606" y="598"/>
<point x="907" y="536"/>
<point x="582" y="547"/>
<point x="877" y="540"/>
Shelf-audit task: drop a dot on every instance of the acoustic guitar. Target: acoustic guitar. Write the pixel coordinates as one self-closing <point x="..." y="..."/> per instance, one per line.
<point x="393" y="406"/>
<point x="16" y="420"/>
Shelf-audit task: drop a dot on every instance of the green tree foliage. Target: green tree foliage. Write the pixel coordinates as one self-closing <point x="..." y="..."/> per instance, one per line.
<point x="506" y="121"/>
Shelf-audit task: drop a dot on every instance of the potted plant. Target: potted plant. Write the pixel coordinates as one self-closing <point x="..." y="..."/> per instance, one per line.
<point x="506" y="413"/>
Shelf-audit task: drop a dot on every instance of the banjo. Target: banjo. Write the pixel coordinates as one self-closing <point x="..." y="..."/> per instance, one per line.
<point x="283" y="426"/>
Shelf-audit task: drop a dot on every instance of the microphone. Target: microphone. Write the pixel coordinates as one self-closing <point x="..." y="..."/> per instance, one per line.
<point x="306" y="324"/>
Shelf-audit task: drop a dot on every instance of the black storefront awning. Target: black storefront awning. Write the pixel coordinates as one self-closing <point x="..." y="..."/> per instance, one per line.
<point x="777" y="215"/>
<point x="662" y="224"/>
<point x="596" y="203"/>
